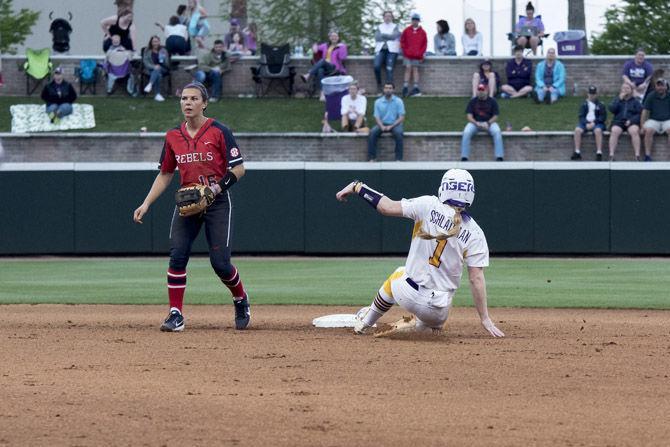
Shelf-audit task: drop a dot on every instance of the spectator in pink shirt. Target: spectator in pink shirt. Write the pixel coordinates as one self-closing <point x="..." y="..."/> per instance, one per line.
<point x="333" y="55"/>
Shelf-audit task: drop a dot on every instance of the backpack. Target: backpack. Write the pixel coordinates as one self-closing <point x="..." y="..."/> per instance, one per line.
<point x="88" y="71"/>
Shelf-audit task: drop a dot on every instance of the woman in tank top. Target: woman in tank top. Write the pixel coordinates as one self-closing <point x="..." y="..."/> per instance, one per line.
<point x="121" y="25"/>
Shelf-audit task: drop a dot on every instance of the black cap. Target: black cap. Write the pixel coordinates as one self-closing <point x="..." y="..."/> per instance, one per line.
<point x="593" y="90"/>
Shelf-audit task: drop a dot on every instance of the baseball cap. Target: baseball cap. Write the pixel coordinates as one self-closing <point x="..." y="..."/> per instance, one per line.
<point x="234" y="22"/>
<point x="58" y="70"/>
<point x="416" y="16"/>
<point x="593" y="89"/>
<point x="481" y="88"/>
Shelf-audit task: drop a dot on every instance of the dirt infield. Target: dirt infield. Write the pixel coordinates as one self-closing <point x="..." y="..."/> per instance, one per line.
<point x="104" y="375"/>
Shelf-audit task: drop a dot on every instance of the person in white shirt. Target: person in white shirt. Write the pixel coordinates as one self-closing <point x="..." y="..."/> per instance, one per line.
<point x="471" y="39"/>
<point x="353" y="108"/>
<point x="444" y="238"/>
<point x="387" y="47"/>
<point x="176" y="37"/>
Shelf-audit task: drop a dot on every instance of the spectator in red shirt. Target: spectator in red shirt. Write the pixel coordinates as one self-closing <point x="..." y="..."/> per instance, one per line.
<point x="413" y="42"/>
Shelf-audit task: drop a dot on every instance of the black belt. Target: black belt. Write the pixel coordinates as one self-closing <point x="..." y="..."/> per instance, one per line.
<point x="412" y="284"/>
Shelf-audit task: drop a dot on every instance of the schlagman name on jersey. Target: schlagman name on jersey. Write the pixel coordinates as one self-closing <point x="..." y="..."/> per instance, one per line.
<point x="445" y="223"/>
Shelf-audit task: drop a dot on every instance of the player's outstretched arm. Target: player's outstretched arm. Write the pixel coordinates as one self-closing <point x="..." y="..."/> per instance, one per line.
<point x="478" y="287"/>
<point x="160" y="184"/>
<point x="376" y="199"/>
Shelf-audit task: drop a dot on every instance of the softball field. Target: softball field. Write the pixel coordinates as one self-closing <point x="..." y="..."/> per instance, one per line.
<point x="103" y="374"/>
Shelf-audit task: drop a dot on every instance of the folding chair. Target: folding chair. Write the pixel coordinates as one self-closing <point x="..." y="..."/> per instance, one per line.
<point x="273" y="69"/>
<point x="87" y="72"/>
<point x="513" y="36"/>
<point x="37" y="67"/>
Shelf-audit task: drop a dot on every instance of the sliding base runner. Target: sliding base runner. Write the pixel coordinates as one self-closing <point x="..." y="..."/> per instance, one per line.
<point x="445" y="237"/>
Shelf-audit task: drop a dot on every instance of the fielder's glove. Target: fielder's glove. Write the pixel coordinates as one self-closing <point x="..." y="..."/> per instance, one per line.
<point x="193" y="199"/>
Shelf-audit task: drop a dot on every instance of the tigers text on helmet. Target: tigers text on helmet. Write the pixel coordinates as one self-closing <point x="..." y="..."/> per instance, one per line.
<point x="457" y="188"/>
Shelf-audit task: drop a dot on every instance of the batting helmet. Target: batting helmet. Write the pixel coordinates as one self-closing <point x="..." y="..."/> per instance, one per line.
<point x="457" y="188"/>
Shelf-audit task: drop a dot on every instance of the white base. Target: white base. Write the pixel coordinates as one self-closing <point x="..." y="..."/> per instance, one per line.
<point x="335" y="320"/>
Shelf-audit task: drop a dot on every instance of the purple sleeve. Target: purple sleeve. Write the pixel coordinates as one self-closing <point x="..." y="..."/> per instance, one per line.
<point x="519" y="24"/>
<point x="323" y="48"/>
<point x="648" y="69"/>
<point x="626" y="69"/>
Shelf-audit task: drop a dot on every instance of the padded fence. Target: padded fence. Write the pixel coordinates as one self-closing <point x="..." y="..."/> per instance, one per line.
<point x="540" y="208"/>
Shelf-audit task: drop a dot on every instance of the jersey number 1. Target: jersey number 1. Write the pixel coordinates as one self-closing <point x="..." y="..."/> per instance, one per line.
<point x="435" y="259"/>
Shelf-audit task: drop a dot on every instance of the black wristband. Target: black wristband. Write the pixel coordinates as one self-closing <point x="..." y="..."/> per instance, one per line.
<point x="370" y="195"/>
<point x="227" y="181"/>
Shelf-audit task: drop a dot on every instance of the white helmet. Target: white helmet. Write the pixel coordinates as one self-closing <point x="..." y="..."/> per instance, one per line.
<point x="457" y="188"/>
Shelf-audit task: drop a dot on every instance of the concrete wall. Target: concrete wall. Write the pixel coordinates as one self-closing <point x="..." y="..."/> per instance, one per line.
<point x="441" y="76"/>
<point x="419" y="146"/>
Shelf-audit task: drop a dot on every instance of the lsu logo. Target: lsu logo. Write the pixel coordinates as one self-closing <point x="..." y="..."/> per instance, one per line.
<point x="458" y="186"/>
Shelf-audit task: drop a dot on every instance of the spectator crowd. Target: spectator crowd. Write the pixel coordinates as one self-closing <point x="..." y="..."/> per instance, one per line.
<point x="640" y="110"/>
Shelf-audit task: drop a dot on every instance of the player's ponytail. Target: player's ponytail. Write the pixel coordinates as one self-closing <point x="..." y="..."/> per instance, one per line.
<point x="453" y="231"/>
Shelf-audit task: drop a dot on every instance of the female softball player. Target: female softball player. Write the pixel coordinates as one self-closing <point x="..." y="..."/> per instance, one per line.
<point x="444" y="238"/>
<point x="206" y="153"/>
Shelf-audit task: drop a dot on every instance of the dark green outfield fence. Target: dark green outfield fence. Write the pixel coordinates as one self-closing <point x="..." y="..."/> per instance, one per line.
<point x="544" y="208"/>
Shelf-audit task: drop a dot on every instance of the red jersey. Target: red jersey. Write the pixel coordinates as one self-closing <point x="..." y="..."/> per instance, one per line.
<point x="203" y="159"/>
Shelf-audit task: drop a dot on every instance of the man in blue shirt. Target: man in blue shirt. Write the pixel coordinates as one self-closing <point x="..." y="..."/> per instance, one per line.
<point x="389" y="115"/>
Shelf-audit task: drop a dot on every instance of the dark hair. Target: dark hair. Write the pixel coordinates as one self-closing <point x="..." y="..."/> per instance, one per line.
<point x="389" y="83"/>
<point x="200" y="87"/>
<point x="444" y="26"/>
<point x="530" y="7"/>
<point x="218" y="42"/>
<point x="518" y="48"/>
<point x="174" y="20"/>
<point x="237" y="33"/>
<point x="149" y="47"/>
<point x="181" y="9"/>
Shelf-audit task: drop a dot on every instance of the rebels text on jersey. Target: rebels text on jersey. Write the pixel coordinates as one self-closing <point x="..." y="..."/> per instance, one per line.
<point x="205" y="158"/>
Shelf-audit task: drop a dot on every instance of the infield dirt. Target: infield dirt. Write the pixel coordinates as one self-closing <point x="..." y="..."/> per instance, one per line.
<point x="105" y="375"/>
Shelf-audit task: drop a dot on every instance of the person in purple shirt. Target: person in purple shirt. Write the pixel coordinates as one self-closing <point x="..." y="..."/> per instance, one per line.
<point x="519" y="71"/>
<point x="530" y="20"/>
<point x="637" y="73"/>
<point x="333" y="54"/>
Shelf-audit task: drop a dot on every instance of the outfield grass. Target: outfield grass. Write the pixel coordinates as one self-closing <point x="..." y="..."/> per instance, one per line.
<point x="519" y="282"/>
<point x="425" y="114"/>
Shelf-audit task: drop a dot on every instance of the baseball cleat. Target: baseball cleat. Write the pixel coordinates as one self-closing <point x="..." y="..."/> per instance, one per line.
<point x="174" y="322"/>
<point x="242" y="313"/>
<point x="405" y="324"/>
<point x="360" y="328"/>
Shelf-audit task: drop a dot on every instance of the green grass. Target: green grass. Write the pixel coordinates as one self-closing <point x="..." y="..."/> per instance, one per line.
<point x="426" y="114"/>
<point x="602" y="283"/>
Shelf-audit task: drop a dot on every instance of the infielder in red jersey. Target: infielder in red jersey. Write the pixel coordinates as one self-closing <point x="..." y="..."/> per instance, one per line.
<point x="205" y="152"/>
